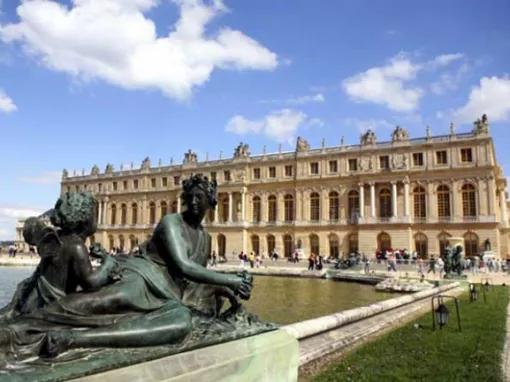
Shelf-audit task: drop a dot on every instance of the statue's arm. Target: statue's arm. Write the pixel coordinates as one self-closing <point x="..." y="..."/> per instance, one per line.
<point x="88" y="278"/>
<point x="172" y="248"/>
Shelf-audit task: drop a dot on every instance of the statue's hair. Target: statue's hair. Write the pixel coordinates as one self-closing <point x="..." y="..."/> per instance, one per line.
<point x="33" y="230"/>
<point x="74" y="211"/>
<point x="203" y="183"/>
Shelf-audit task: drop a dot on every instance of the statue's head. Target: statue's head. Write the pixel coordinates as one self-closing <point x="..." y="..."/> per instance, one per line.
<point x="33" y="230"/>
<point x="199" y="194"/>
<point x="76" y="212"/>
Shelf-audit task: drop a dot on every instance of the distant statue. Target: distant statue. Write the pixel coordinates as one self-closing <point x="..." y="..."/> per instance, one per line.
<point x="342" y="141"/>
<point x="428" y="132"/>
<point x="487" y="244"/>
<point x="452" y="129"/>
<point x="453" y="258"/>
<point x="368" y="138"/>
<point x="65" y="174"/>
<point x="146" y="164"/>
<point x="109" y="169"/>
<point x="190" y="157"/>
<point x="242" y="151"/>
<point x="481" y="125"/>
<point x="302" y="145"/>
<point x="95" y="170"/>
<point x="399" y="135"/>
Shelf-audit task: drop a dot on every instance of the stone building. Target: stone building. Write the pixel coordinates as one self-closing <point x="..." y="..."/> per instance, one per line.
<point x="411" y="193"/>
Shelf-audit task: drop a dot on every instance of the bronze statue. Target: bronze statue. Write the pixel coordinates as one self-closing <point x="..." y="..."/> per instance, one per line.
<point x="163" y="295"/>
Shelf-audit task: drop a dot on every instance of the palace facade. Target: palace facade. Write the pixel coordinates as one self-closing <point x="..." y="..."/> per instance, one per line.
<point x="411" y="193"/>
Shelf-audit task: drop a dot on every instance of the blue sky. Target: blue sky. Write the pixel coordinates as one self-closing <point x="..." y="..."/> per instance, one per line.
<point x="86" y="82"/>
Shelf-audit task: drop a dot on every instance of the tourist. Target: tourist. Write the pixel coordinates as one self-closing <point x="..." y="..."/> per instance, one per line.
<point x="251" y="259"/>
<point x="367" y="265"/>
<point x="392" y="262"/>
<point x="258" y="261"/>
<point x="213" y="264"/>
<point x="274" y="256"/>
<point x="241" y="259"/>
<point x="432" y="265"/>
<point x="318" y="263"/>
<point x="440" y="267"/>
<point x="420" y="266"/>
<point x="311" y="262"/>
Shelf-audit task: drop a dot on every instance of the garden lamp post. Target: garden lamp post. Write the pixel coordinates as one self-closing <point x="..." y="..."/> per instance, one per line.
<point x="473" y="293"/>
<point x="440" y="312"/>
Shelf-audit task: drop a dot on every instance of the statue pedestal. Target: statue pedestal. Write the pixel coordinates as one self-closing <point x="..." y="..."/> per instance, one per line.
<point x="271" y="356"/>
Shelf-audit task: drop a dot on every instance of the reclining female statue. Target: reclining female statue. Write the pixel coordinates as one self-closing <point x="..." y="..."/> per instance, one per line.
<point x="152" y="302"/>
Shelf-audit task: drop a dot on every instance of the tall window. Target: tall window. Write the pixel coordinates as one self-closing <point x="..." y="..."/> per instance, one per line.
<point x="135" y="184"/>
<point x="334" y="206"/>
<point x="419" y="202"/>
<point x="287" y="245"/>
<point x="441" y="157"/>
<point x="470" y="244"/>
<point x="270" y="244"/>
<point x="334" y="248"/>
<point x="226" y="175"/>
<point x="288" y="170"/>
<point x="466" y="155"/>
<point x="444" y="241"/>
<point x="152" y="213"/>
<point x="123" y="214"/>
<point x="272" y="172"/>
<point x="134" y="213"/>
<point x="353" y="243"/>
<point x="383" y="241"/>
<point x="255" y="244"/>
<point x="289" y="207"/>
<point x="164" y="209"/>
<point x="443" y="202"/>
<point x="314" y="244"/>
<point x="353" y="165"/>
<point x="417" y="159"/>
<point x="256" y="209"/>
<point x="114" y="214"/>
<point x="353" y="197"/>
<point x="468" y="200"/>
<point x="385" y="203"/>
<point x="314" y="168"/>
<point x="315" y="205"/>
<point x="420" y="243"/>
<point x="333" y="166"/>
<point x="256" y="173"/>
<point x="222" y="245"/>
<point x="224" y="209"/>
<point x="384" y="162"/>
<point x="174" y="206"/>
<point x="271" y="208"/>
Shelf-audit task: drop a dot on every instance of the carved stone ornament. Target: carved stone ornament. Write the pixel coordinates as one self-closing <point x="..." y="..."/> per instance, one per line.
<point x="399" y="135"/>
<point x="65" y="174"/>
<point x="368" y="138"/>
<point x="190" y="157"/>
<point x="399" y="161"/>
<point x="242" y="151"/>
<point x="302" y="145"/>
<point x="481" y="125"/>
<point x="109" y="169"/>
<point x="365" y="164"/>
<point x="146" y="163"/>
<point x="95" y="170"/>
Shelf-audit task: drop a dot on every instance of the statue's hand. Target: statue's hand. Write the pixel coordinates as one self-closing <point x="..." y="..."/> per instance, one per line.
<point x="243" y="289"/>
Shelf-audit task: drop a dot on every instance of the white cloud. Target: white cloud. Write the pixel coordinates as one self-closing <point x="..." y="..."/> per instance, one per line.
<point x="491" y="97"/>
<point x="392" y="85"/>
<point x="113" y="40"/>
<point x="362" y="125"/>
<point x="8" y="217"/>
<point x="50" y="177"/>
<point x="279" y="125"/>
<point x="315" y="98"/>
<point x="449" y="81"/>
<point x="6" y="103"/>
<point x="386" y="85"/>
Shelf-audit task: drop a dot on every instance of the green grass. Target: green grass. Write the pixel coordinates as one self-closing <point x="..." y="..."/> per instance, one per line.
<point x="420" y="354"/>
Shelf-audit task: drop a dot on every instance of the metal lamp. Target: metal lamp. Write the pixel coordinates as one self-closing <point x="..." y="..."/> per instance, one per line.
<point x="442" y="315"/>
<point x="473" y="293"/>
<point x="440" y="312"/>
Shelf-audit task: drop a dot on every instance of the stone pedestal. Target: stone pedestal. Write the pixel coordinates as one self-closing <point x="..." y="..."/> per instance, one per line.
<point x="271" y="356"/>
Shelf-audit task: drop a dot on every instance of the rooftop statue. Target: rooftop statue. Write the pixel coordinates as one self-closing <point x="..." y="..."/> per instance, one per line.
<point x="399" y="135"/>
<point x="95" y="170"/>
<point x="190" y="157"/>
<point x="109" y="169"/>
<point x="163" y="297"/>
<point x="146" y="164"/>
<point x="481" y="125"/>
<point x="302" y="145"/>
<point x="65" y="174"/>
<point x="242" y="151"/>
<point x="368" y="138"/>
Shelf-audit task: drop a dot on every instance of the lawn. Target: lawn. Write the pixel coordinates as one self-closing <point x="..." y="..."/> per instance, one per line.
<point x="416" y="353"/>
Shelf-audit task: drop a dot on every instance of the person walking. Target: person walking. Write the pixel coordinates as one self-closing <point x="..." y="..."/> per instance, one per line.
<point x="432" y="265"/>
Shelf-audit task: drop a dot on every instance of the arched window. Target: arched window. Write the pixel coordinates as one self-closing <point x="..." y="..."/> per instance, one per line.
<point x="111" y="242"/>
<point x="224" y="209"/>
<point x="113" y="215"/>
<point x="174" y="206"/>
<point x="468" y="200"/>
<point x="288" y="202"/>
<point x="444" y="241"/>
<point x="334" y="206"/>
<point x="152" y="213"/>
<point x="271" y="208"/>
<point x="122" y="243"/>
<point x="164" y="209"/>
<point x="443" y="202"/>
<point x="420" y="211"/>
<point x="314" y="244"/>
<point x="257" y="216"/>
<point x="287" y="245"/>
<point x="255" y="244"/>
<point x="353" y="243"/>
<point x="123" y="214"/>
<point x="385" y="208"/>
<point x="353" y="197"/>
<point x="133" y="242"/>
<point x="421" y="245"/>
<point x="315" y="207"/>
<point x="222" y="245"/>
<point x="134" y="213"/>
<point x="270" y="244"/>
<point x="383" y="242"/>
<point x="471" y="244"/>
<point x="334" y="249"/>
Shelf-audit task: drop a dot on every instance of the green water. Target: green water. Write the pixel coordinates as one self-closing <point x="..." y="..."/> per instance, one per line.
<point x="282" y="300"/>
<point x="286" y="300"/>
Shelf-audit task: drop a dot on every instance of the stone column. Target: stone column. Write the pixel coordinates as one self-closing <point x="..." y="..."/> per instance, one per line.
<point x="99" y="212"/>
<point x="243" y="205"/>
<point x="372" y="199"/>
<point x="504" y="212"/>
<point x="324" y="205"/>
<point x="230" y="207"/>
<point x="492" y="196"/>
<point x="431" y="203"/>
<point x="216" y="209"/>
<point x="179" y="204"/>
<point x="105" y="211"/>
<point x="299" y="205"/>
<point x="280" y="207"/>
<point x="482" y="198"/>
<point x="456" y="205"/>
<point x="406" y="198"/>
<point x="361" y="200"/>
<point x="394" y="198"/>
